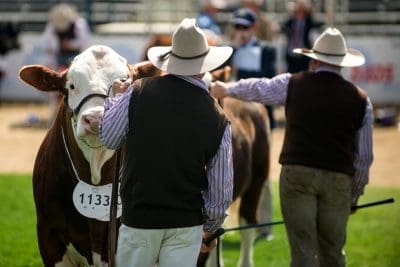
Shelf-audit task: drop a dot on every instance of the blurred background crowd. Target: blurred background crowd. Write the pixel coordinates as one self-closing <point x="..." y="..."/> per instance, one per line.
<point x="262" y="32"/>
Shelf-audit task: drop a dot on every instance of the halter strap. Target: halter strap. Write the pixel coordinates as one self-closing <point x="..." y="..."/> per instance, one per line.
<point x="85" y="99"/>
<point x="69" y="155"/>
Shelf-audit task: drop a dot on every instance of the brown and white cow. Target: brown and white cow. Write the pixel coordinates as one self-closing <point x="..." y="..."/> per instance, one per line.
<point x="71" y="152"/>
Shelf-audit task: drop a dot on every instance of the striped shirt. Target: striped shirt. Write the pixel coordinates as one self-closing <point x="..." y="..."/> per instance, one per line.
<point x="274" y="91"/>
<point x="218" y="196"/>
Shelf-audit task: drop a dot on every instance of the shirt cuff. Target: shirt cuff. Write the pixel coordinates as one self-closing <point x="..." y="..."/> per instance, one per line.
<point x="212" y="225"/>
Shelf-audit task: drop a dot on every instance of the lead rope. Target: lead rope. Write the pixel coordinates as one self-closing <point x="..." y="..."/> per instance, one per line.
<point x="218" y="251"/>
<point x="112" y="236"/>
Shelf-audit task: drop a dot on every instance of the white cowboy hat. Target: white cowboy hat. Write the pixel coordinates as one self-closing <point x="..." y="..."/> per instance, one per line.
<point x="330" y="47"/>
<point x="189" y="54"/>
<point x="61" y="16"/>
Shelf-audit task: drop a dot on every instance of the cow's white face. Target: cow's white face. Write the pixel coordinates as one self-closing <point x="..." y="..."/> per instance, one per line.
<point x="85" y="85"/>
<point x="88" y="81"/>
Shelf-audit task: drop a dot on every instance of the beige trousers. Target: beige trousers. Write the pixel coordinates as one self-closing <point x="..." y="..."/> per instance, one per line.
<point x="315" y="205"/>
<point x="158" y="247"/>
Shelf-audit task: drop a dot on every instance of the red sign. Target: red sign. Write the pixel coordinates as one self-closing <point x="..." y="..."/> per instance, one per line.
<point x="373" y="73"/>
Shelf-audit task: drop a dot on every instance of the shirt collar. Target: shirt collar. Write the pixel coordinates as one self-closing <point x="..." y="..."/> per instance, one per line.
<point x="251" y="42"/>
<point x="329" y="69"/>
<point x="194" y="80"/>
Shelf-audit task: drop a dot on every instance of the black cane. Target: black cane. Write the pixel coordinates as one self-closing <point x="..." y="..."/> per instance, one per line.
<point x="375" y="203"/>
<point x="221" y="231"/>
<point x="112" y="232"/>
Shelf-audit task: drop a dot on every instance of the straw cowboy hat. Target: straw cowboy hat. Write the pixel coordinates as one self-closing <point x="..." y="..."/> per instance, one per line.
<point x="330" y="47"/>
<point x="189" y="54"/>
<point x="61" y="16"/>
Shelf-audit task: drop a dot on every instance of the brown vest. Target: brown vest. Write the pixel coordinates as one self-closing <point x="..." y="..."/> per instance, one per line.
<point x="323" y="114"/>
<point x="175" y="130"/>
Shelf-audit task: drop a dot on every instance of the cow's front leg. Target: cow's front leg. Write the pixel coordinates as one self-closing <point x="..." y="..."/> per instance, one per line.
<point x="265" y="212"/>
<point x="247" y="238"/>
<point x="72" y="258"/>
<point x="52" y="250"/>
<point x="99" y="242"/>
<point x="212" y="258"/>
<point x="97" y="262"/>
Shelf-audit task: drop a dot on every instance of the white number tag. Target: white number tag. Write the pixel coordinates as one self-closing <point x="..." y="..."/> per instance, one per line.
<point x="94" y="201"/>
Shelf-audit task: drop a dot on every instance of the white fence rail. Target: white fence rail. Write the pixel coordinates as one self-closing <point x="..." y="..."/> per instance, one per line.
<point x="380" y="76"/>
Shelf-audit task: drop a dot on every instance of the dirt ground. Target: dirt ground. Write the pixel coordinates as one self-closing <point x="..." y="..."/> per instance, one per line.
<point x="19" y="144"/>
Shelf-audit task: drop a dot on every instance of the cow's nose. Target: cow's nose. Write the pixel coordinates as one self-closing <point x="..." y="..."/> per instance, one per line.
<point x="91" y="122"/>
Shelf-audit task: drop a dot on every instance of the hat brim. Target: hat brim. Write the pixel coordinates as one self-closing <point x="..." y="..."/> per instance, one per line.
<point x="241" y="21"/>
<point x="216" y="56"/>
<point x="353" y="57"/>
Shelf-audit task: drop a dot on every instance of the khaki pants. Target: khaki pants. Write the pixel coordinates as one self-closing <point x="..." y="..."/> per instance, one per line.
<point x="315" y="205"/>
<point x="164" y="247"/>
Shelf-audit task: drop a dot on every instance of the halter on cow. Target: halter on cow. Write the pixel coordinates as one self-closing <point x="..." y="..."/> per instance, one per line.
<point x="72" y="152"/>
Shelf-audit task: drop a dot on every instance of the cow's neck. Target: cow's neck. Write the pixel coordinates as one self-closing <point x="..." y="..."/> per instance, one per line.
<point x="87" y="160"/>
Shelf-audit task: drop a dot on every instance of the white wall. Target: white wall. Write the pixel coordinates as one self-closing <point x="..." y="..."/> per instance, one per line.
<point x="380" y="76"/>
<point x="13" y="89"/>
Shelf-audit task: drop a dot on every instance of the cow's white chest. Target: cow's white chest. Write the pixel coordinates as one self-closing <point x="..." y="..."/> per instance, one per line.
<point x="96" y="159"/>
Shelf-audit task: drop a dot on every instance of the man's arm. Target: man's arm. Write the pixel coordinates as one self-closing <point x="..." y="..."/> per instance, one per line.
<point x="218" y="195"/>
<point x="263" y="90"/>
<point x="364" y="154"/>
<point x="115" y="122"/>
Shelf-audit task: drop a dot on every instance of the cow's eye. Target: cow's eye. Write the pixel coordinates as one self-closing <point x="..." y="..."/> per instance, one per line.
<point x="71" y="86"/>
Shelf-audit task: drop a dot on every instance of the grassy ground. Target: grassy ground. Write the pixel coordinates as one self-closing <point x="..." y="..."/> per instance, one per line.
<point x="373" y="233"/>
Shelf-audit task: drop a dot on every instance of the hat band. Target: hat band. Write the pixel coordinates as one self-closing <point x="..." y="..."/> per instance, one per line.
<point x="329" y="54"/>
<point x="162" y="56"/>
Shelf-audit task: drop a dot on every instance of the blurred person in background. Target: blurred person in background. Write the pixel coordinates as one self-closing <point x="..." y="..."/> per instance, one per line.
<point x="251" y="57"/>
<point x="297" y="30"/>
<point x="265" y="28"/>
<point x="254" y="58"/>
<point x="66" y="34"/>
<point x="9" y="33"/>
<point x="206" y="17"/>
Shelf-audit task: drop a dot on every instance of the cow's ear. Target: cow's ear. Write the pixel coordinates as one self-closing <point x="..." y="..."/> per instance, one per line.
<point x="223" y="74"/>
<point x="43" y="78"/>
<point x="144" y="69"/>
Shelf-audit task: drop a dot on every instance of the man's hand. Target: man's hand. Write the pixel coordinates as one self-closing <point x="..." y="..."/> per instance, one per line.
<point x="218" y="89"/>
<point x="353" y="208"/>
<point x="120" y="86"/>
<point x="207" y="248"/>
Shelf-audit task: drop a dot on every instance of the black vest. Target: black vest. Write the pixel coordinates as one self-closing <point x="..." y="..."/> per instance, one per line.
<point x="175" y="129"/>
<point x="67" y="35"/>
<point x="323" y="114"/>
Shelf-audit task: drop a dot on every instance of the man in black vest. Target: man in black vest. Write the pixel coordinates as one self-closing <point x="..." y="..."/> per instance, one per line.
<point x="298" y="30"/>
<point x="177" y="179"/>
<point x="327" y="150"/>
<point x="66" y="34"/>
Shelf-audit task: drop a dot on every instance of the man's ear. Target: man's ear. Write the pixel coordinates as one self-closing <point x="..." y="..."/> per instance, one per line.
<point x="143" y="69"/>
<point x="222" y="75"/>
